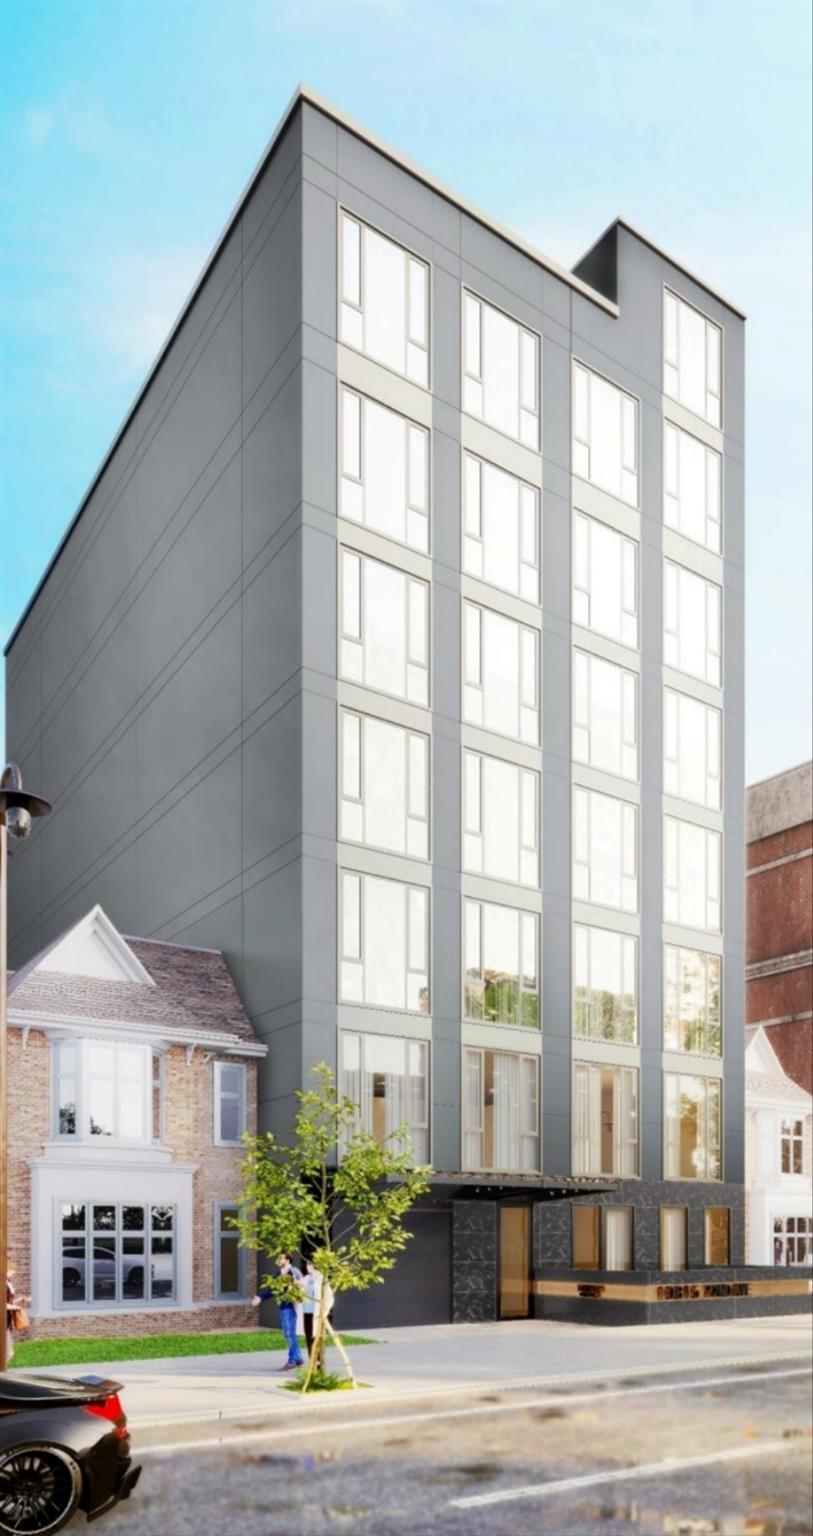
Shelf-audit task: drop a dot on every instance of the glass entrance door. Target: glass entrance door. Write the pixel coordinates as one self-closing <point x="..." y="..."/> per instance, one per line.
<point x="515" y="1260"/>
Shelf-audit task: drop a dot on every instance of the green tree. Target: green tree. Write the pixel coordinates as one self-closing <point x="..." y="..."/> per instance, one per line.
<point x="346" y="1214"/>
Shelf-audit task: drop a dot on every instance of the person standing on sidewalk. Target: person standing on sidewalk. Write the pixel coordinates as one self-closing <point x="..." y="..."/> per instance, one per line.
<point x="313" y="1286"/>
<point x="287" y="1312"/>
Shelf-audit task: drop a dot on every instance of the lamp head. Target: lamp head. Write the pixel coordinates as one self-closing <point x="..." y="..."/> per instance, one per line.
<point x="18" y="821"/>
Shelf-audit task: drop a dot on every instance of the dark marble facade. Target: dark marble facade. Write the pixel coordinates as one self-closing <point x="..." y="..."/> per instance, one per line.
<point x="475" y="1259"/>
<point x="553" y="1218"/>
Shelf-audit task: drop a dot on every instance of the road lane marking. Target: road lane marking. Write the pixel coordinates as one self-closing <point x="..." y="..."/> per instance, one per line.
<point x="557" y="1399"/>
<point x="624" y="1474"/>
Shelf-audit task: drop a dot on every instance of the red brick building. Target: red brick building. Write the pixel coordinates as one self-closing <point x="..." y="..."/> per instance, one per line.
<point x="779" y="935"/>
<point x="133" y="1073"/>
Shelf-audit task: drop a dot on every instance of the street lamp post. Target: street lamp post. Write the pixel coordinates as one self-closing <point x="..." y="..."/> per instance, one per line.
<point x="17" y="807"/>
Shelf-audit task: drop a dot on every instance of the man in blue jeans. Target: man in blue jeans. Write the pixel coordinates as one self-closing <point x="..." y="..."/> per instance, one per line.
<point x="287" y="1312"/>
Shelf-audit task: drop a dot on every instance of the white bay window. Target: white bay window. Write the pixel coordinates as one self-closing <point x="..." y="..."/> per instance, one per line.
<point x="103" y="1089"/>
<point x="384" y="471"/>
<point x="692" y="616"/>
<point x="605" y="580"/>
<point x="386" y="1078"/>
<point x="692" y="875"/>
<point x="384" y="628"/>
<point x="500" y="819"/>
<point x="605" y="850"/>
<point x="384" y="943"/>
<point x="605" y="434"/>
<point x="500" y="371"/>
<point x="692" y="487"/>
<point x="692" y="358"/>
<point x="500" y="1111"/>
<point x="605" y="715"/>
<point x="384" y="785"/>
<point x="500" y="529"/>
<point x="384" y="306"/>
<point x="692" y="749"/>
<point x="115" y="1255"/>
<point x="501" y="674"/>
<point x="605" y="1119"/>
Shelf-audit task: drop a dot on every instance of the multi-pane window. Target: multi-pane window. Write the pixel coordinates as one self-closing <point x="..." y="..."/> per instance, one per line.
<point x="692" y="358"/>
<point x="602" y="1236"/>
<point x="605" y="580"/>
<point x="605" y="715"/>
<point x="500" y="371"/>
<point x="691" y="1017"/>
<point x="717" y="1234"/>
<point x="384" y="308"/>
<point x="387" y="1079"/>
<point x="605" y="850"/>
<point x="693" y="1116"/>
<point x="115" y="1255"/>
<point x="384" y="788"/>
<point x="500" y="528"/>
<point x="605" y="1119"/>
<point x="692" y="749"/>
<point x="384" y="931"/>
<point x="384" y="628"/>
<point x="692" y="479"/>
<point x="230" y="1102"/>
<point x="500" y="819"/>
<point x="230" y="1258"/>
<point x="501" y="980"/>
<point x="384" y="471"/>
<point x="500" y="673"/>
<point x="692" y="623"/>
<point x="793" y="1146"/>
<point x="674" y="1237"/>
<point x="102" y="1089"/>
<point x="691" y="875"/>
<point x="605" y="434"/>
<point x="792" y="1239"/>
<point x="605" y="989"/>
<point x="500" y="1111"/>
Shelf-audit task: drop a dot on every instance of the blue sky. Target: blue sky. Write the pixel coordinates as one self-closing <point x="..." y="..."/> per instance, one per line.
<point x="129" y="127"/>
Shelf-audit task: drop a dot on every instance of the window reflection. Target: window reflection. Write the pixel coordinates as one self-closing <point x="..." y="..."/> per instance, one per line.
<point x="692" y="1005"/>
<point x="605" y="984"/>
<point x="387" y="1079"/>
<point x="384" y="927"/>
<point x="501" y="980"/>
<point x="693" y="1127"/>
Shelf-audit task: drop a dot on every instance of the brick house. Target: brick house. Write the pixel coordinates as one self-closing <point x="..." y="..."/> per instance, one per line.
<point x="779" y="941"/>
<point x="133" y="1072"/>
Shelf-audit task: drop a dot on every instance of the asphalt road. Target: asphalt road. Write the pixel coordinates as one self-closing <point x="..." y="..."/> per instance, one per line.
<point x="577" y="1459"/>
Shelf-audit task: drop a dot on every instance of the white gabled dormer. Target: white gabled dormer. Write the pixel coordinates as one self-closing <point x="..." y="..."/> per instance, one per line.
<point x="92" y="947"/>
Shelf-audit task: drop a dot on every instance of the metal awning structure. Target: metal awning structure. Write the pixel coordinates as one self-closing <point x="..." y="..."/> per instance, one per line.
<point x="514" y="1186"/>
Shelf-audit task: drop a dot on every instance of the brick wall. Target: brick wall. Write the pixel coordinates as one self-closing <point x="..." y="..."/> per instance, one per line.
<point x="779" y="905"/>
<point x="29" y="1075"/>
<point x="780" y="923"/>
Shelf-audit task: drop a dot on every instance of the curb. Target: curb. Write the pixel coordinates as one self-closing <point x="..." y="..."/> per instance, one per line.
<point x="289" y="1405"/>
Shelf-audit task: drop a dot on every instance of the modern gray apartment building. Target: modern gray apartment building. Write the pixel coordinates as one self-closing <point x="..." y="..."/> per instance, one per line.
<point x="397" y="652"/>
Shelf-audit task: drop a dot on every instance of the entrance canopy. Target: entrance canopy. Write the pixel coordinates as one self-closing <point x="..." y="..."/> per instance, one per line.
<point x="531" y="1186"/>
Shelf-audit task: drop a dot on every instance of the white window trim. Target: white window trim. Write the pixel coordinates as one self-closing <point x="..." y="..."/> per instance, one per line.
<point x="591" y="657"/>
<point x="361" y="640"/>
<point x="587" y="592"/>
<point x="675" y="921"/>
<point x="477" y="378"/>
<point x="342" y="210"/>
<point x="468" y="606"/>
<point x="716" y="426"/>
<point x="521" y="912"/>
<point x="676" y="632"/>
<point x="578" y="362"/>
<point x="719" y="551"/>
<point x="523" y="563"/>
<point x="708" y="955"/>
<point x="620" y="1143"/>
<point x="361" y="1035"/>
<point x="345" y="389"/>
<point x="406" y="885"/>
<point x="621" y="800"/>
<point x="675" y="761"/>
<point x="536" y="1136"/>
<point x="121" y="1304"/>
<point x="620" y="934"/>
<point x="219" y="1294"/>
<point x="220" y="1141"/>
<point x="466" y="829"/>
<point x="345" y="713"/>
<point x="82" y="1136"/>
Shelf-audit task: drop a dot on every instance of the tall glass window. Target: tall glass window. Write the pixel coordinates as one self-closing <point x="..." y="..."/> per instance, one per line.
<point x="230" y="1102"/>
<point x="230" y="1258"/>
<point x="116" y="1255"/>
<point x="692" y="749"/>
<point x="692" y="1005"/>
<point x="793" y="1146"/>
<point x="500" y="819"/>
<point x="674" y="1237"/>
<point x="501" y="674"/>
<point x="384" y="943"/>
<point x="500" y="371"/>
<point x="384" y="789"/>
<point x="605" y="580"/>
<point x="605" y="850"/>
<point x="605" y="1119"/>
<point x="605" y="715"/>
<point x="384" y="628"/>
<point x="384" y="471"/>
<point x="500" y="528"/>
<point x="692" y="358"/>
<point x="387" y="1079"/>
<point x="692" y="610"/>
<point x="500" y="1111"/>
<point x="605" y="984"/>
<point x="384" y="304"/>
<point x="501" y="982"/>
<point x="717" y="1235"/>
<point x="792" y="1240"/>
<point x="692" y="873"/>
<point x="693" y="1125"/>
<point x="103" y="1090"/>
<point x="605" y="434"/>
<point x="692" y="487"/>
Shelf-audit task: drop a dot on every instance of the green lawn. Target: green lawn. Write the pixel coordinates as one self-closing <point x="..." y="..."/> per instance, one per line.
<point x="162" y="1346"/>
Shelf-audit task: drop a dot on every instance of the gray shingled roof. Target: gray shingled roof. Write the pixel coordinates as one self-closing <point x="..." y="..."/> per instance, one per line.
<point x="193" y="991"/>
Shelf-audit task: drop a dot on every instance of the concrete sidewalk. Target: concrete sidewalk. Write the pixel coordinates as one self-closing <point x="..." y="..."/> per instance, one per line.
<point x="463" y="1358"/>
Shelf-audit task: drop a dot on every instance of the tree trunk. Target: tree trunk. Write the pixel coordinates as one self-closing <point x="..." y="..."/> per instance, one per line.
<point x="342" y="1351"/>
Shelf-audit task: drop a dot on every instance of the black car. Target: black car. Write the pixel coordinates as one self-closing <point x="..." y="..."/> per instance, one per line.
<point x="64" y="1446"/>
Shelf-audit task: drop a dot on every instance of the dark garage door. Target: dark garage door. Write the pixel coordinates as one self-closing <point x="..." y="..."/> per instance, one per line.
<point x="418" y="1289"/>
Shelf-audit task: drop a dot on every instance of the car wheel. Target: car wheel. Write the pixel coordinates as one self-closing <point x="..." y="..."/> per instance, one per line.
<point x="40" y="1487"/>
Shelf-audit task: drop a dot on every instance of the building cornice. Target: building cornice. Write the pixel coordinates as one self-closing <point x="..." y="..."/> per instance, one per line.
<point x="779" y="963"/>
<point x="221" y="1042"/>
